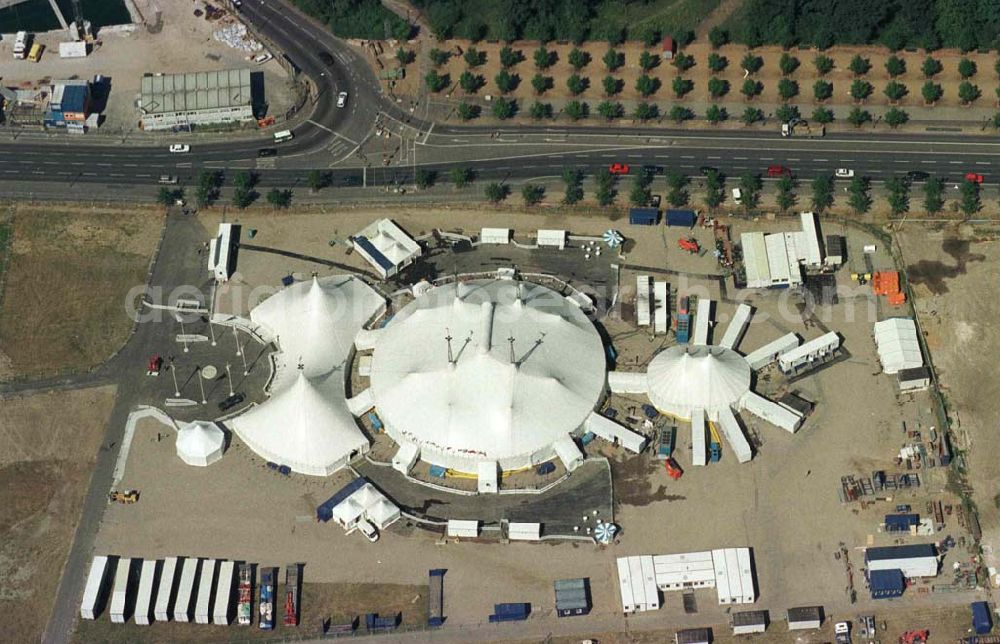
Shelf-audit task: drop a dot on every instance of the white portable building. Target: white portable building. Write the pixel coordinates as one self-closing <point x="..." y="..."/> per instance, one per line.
<point x="702" y="321"/>
<point x="144" y="600"/>
<point x="462" y="528"/>
<point x="119" y="592"/>
<point x="810" y="249"/>
<point x="758" y="274"/>
<point x="628" y="382"/>
<point x="684" y="571"/>
<point x="661" y="302"/>
<point x="698" y="448"/>
<point x="769" y="352"/>
<point x="783" y="270"/>
<point x="185" y="590"/>
<point x="737" y="326"/>
<point x="772" y="412"/>
<point x="733" y="576"/>
<point x="612" y="432"/>
<point x="494" y="236"/>
<point x="642" y="303"/>
<point x="914" y="560"/>
<point x="386" y="247"/>
<point x="805" y="618"/>
<point x="524" y="531"/>
<point x="73" y="49"/>
<point x="164" y="593"/>
<point x="224" y="593"/>
<point x="750" y="621"/>
<point x="383" y="513"/>
<point x="203" y="604"/>
<point x="222" y="251"/>
<point x="95" y="592"/>
<point x="693" y="636"/>
<point x="898" y="347"/>
<point x="406" y="457"/>
<point x="637" y="584"/>
<point x="552" y="238"/>
<point x="568" y="452"/>
<point x="816" y="350"/>
<point x="489" y="477"/>
<point x="733" y="434"/>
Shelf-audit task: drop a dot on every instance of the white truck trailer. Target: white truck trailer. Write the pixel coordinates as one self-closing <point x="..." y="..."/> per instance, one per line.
<point x="182" y="607"/>
<point x="96" y="591"/>
<point x="144" y="600"/>
<point x="119" y="593"/>
<point x="223" y="593"/>
<point x="203" y="607"/>
<point x="165" y="592"/>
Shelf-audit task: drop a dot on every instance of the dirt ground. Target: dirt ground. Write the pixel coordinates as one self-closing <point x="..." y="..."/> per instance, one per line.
<point x="48" y="444"/>
<point x="184" y="43"/>
<point x="61" y="316"/>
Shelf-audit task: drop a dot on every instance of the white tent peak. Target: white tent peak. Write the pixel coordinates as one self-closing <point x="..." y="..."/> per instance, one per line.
<point x="200" y="443"/>
<point x="683" y="378"/>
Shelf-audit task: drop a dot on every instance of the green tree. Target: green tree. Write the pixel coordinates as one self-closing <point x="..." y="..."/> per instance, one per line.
<point x="510" y="57"/>
<point x="786" y="113"/>
<point x="577" y="85"/>
<point x="679" y="113"/>
<point x="405" y="56"/>
<point x="165" y="196"/>
<point x="717" y="63"/>
<point x="899" y="195"/>
<point x="751" y="88"/>
<point x="497" y="192"/>
<point x="504" y="108"/>
<point x="613" y="60"/>
<point x="682" y="86"/>
<point x="578" y="59"/>
<point x="859" y="195"/>
<point x="208" y="187"/>
<point x="788" y="64"/>
<point x="677" y="194"/>
<point x="859" y="65"/>
<point x="931" y="92"/>
<point x="532" y="193"/>
<point x="460" y="176"/>
<point x="243" y="197"/>
<point x="474" y="58"/>
<point x="787" y="89"/>
<point x="318" y="179"/>
<point x="714" y="185"/>
<point x="244" y="179"/>
<point x="931" y="67"/>
<point x="610" y="111"/>
<point x="969" y="201"/>
<point x="647" y="85"/>
<point x="752" y="63"/>
<point x="718" y="37"/>
<point x="279" y="198"/>
<point x="612" y="85"/>
<point x="541" y="84"/>
<point x="751" y="115"/>
<point x="823" y="115"/>
<point x="646" y="111"/>
<point x="717" y="87"/>
<point x="968" y="93"/>
<point x="822" y="90"/>
<point x="573" y="178"/>
<point x="895" y="117"/>
<point x="605" y="187"/>
<point x="506" y="82"/>
<point x="540" y="111"/>
<point x="895" y="66"/>
<point x="750" y="186"/>
<point x="995" y="121"/>
<point x="785" y="197"/>
<point x="823" y="64"/>
<point x="424" y="178"/>
<point x="933" y="191"/>
<point x="467" y="112"/>
<point x="966" y="68"/>
<point x="895" y="91"/>
<point x="438" y="57"/>
<point x="543" y="58"/>
<point x="576" y="110"/>
<point x="715" y="114"/>
<point x="648" y="61"/>
<point x="470" y="82"/>
<point x="822" y="193"/>
<point x="639" y="194"/>
<point x="436" y="82"/>
<point x="683" y="62"/>
<point x="859" y="117"/>
<point x="861" y="90"/>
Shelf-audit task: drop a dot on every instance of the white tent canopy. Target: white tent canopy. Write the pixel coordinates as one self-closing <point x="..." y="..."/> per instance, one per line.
<point x="898" y="347"/>
<point x="683" y="378"/>
<point x="200" y="443"/>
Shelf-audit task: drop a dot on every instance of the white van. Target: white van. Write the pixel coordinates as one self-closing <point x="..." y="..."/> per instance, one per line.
<point x="21" y="45"/>
<point x="282" y="136"/>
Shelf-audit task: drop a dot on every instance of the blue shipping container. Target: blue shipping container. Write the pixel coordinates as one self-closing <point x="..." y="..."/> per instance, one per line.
<point x="510" y="612"/>
<point x="901" y="522"/>
<point x="886" y="584"/>
<point x="685" y="218"/>
<point x="375" y="623"/>
<point x="438" y="471"/>
<point x="643" y="216"/>
<point x="324" y="512"/>
<point x="982" y="621"/>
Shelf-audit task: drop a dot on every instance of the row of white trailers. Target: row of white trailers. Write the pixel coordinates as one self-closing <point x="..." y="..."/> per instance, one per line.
<point x="652" y="301"/>
<point x="642" y="578"/>
<point x="174" y="588"/>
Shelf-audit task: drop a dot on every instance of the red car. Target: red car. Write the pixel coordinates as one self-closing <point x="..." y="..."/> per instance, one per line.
<point x="778" y="171"/>
<point x="618" y="168"/>
<point x="673" y="469"/>
<point x="973" y="177"/>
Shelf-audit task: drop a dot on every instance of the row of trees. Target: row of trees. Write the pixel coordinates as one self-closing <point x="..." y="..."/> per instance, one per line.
<point x="209" y="188"/>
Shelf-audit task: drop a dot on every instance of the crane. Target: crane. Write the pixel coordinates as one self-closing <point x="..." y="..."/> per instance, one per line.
<point x="81" y="28"/>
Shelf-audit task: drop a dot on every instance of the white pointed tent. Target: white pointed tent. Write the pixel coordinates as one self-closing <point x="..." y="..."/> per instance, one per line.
<point x="200" y="443"/>
<point x="307" y="424"/>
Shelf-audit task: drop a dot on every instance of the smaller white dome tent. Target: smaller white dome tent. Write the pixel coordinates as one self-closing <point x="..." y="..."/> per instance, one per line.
<point x="200" y="443"/>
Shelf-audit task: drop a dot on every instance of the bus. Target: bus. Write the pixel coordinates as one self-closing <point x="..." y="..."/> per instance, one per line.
<point x="282" y="136"/>
<point x="21" y="45"/>
<point x="36" y="52"/>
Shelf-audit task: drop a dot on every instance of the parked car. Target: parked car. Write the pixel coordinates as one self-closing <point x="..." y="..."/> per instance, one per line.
<point x="778" y="171"/>
<point x="177" y="148"/>
<point x="653" y="170"/>
<point x="368" y="530"/>
<point x="619" y="168"/>
<point x="267" y="152"/>
<point x="705" y="169"/>
<point x="737" y="196"/>
<point x="844" y="173"/>
<point x="325" y="58"/>
<point x="342" y="99"/>
<point x="917" y="175"/>
<point x="842" y="632"/>
<point x="673" y="469"/>
<point x="655" y="201"/>
<point x="168" y="179"/>
<point x="974" y="177"/>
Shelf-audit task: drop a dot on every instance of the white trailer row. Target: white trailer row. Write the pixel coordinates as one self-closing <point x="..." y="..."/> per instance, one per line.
<point x="702" y="321"/>
<point x="778" y="415"/>
<point x="642" y="308"/>
<point x="812" y="353"/>
<point x="733" y="434"/>
<point x="698" y="447"/>
<point x="737" y="327"/>
<point x="769" y="352"/>
<point x="160" y="590"/>
<point x="661" y="315"/>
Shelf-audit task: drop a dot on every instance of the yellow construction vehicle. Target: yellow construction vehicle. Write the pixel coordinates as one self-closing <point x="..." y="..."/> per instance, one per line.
<point x="124" y="496"/>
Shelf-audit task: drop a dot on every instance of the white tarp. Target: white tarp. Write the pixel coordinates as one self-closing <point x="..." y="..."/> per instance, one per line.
<point x="383" y="513"/>
<point x="898" y="347"/>
<point x="642" y="302"/>
<point x="144" y="599"/>
<point x="552" y="238"/>
<point x="628" y="382"/>
<point x="702" y="321"/>
<point x="495" y="236"/>
<point x="769" y="352"/>
<point x="737" y="326"/>
<point x="488" y="481"/>
<point x="611" y="431"/>
<point x="463" y="528"/>
<point x="772" y="412"/>
<point x="164" y="592"/>
<point x="660" y="311"/>
<point x="405" y="457"/>
<point x="733" y="433"/>
<point x="698" y="449"/>
<point x="568" y="452"/>
<point x="524" y="531"/>
<point x="362" y="402"/>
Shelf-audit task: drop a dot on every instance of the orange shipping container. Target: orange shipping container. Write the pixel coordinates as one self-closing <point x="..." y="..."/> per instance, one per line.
<point x="897" y="299"/>
<point x="885" y="282"/>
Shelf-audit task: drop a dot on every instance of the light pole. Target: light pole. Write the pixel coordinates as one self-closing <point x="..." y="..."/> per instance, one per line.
<point x="202" y="386"/>
<point x="229" y="377"/>
<point x="239" y="349"/>
<point x="173" y="372"/>
<point x="246" y="370"/>
<point x="211" y="330"/>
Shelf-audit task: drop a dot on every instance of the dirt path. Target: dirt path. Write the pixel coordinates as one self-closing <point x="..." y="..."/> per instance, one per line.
<point x="409" y="13"/>
<point x="717" y="17"/>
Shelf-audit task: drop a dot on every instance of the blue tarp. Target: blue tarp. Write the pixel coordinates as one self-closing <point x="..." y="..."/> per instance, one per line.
<point x="375" y="253"/>
<point x="325" y="510"/>
<point x="886" y="583"/>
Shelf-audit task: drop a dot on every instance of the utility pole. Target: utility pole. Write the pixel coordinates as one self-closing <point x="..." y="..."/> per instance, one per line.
<point x="173" y="372"/>
<point x="201" y="384"/>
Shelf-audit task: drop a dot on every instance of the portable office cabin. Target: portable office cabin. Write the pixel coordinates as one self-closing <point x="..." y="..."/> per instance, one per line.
<point x="811" y="354"/>
<point x="568" y="452"/>
<point x="463" y="528"/>
<point x="683" y="218"/>
<point x="524" y="531"/>
<point x="224" y="594"/>
<point x="222" y="251"/>
<point x="637" y="584"/>
<point x="811" y="250"/>
<point x="119" y="592"/>
<point x="551" y="239"/>
<point x="684" y="571"/>
<point x="982" y="621"/>
<point x="495" y="236"/>
<point x="661" y="303"/>
<point x="772" y="412"/>
<point x="144" y="599"/>
<point x="702" y="321"/>
<point x="733" y="434"/>
<point x="642" y="300"/>
<point x="805" y="618"/>
<point x="203" y="603"/>
<point x="572" y="597"/>
<point x="834" y="251"/>
<point x="166" y="592"/>
<point x="96" y="590"/>
<point x="737" y="327"/>
<point x="734" y="582"/>
<point x="488" y="481"/>
<point x="750" y="621"/>
<point x="769" y="352"/>
<point x="886" y="584"/>
<point x="693" y="636"/>
<point x="698" y="446"/>
<point x="915" y="560"/>
<point x="643" y="216"/>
